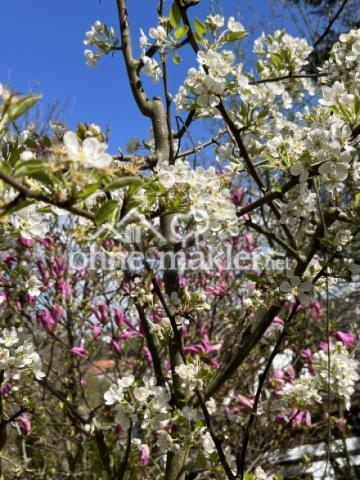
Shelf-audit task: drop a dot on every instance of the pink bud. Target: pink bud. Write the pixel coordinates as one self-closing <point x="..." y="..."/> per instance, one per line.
<point x="79" y="351"/>
<point x="57" y="312"/>
<point x="24" y="424"/>
<point x="116" y="346"/>
<point x="306" y="355"/>
<point x="25" y="242"/>
<point x="145" y="455"/>
<point x="5" y="389"/>
<point x="46" y="320"/>
<point x="237" y="196"/>
<point x="64" y="289"/>
<point x="102" y="312"/>
<point x="97" y="331"/>
<point x="57" y="266"/>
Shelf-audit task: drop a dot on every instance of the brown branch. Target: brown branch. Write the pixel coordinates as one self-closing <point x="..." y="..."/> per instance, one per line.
<point x="28" y="193"/>
<point x="263" y="376"/>
<point x="217" y="441"/>
<point x="151" y="346"/>
<point x="143" y="103"/>
<point x="332" y="21"/>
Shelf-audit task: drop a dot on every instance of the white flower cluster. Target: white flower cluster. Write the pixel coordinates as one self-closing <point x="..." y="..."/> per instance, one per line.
<point x="146" y="406"/>
<point x="188" y="374"/>
<point x="17" y="359"/>
<point x="310" y="388"/>
<point x="211" y="206"/>
<point x="151" y="67"/>
<point x="303" y="392"/>
<point x="103" y="39"/>
<point x="201" y="88"/>
<point x="344" y="61"/>
<point x="281" y="54"/>
<point x="344" y="371"/>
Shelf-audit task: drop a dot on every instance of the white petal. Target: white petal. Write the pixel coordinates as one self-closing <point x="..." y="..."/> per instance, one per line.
<point x="72" y="145"/>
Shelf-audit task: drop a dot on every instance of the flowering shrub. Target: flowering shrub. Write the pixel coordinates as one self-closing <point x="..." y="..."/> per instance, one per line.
<point x="163" y="319"/>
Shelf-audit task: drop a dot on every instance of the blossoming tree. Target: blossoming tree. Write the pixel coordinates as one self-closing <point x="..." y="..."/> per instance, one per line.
<point x="161" y="319"/>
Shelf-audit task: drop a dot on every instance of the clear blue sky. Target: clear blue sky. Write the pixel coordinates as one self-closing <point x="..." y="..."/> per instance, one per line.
<point x="41" y="50"/>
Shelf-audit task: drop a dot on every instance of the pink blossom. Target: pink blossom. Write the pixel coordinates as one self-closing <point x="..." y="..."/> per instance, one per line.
<point x="25" y="242"/>
<point x="57" y="266"/>
<point x="102" y="312"/>
<point x="116" y="346"/>
<point x="9" y="259"/>
<point x="300" y="417"/>
<point x="97" y="331"/>
<point x="306" y="355"/>
<point x="341" y="424"/>
<point x="42" y="269"/>
<point x="237" y="196"/>
<point x="246" y="402"/>
<point x="145" y="455"/>
<point x="46" y="320"/>
<point x="315" y="309"/>
<point x="5" y="389"/>
<point x="64" y="289"/>
<point x="79" y="351"/>
<point x="324" y="346"/>
<point x="347" y="338"/>
<point x="24" y="424"/>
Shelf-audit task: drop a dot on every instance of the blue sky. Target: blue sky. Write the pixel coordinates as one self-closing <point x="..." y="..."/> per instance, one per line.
<point x="41" y="50"/>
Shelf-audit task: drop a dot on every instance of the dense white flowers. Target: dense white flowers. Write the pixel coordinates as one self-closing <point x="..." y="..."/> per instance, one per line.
<point x="281" y="53"/>
<point x="188" y="374"/>
<point x="90" y="153"/>
<point x="344" y="371"/>
<point x="312" y="387"/>
<point x="18" y="359"/>
<point x="211" y="206"/>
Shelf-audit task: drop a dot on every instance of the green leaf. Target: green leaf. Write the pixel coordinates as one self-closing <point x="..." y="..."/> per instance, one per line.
<point x="357" y="104"/>
<point x="123" y="182"/>
<point x="87" y="191"/>
<point x="177" y="59"/>
<point x="30" y="167"/>
<point x="234" y="36"/>
<point x="200" y="28"/>
<point x="22" y="106"/>
<point x="276" y="59"/>
<point x="43" y="177"/>
<point x="174" y="16"/>
<point x="107" y="211"/>
<point x="180" y="32"/>
<point x="199" y="38"/>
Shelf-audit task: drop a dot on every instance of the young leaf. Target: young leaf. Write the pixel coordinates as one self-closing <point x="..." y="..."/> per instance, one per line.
<point x="108" y="210"/>
<point x="123" y="182"/>
<point x="177" y="59"/>
<point x="200" y="28"/>
<point x="234" y="36"/>
<point x="174" y="15"/>
<point x="30" y="167"/>
<point x="180" y="32"/>
<point x="22" y="106"/>
<point x="276" y="59"/>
